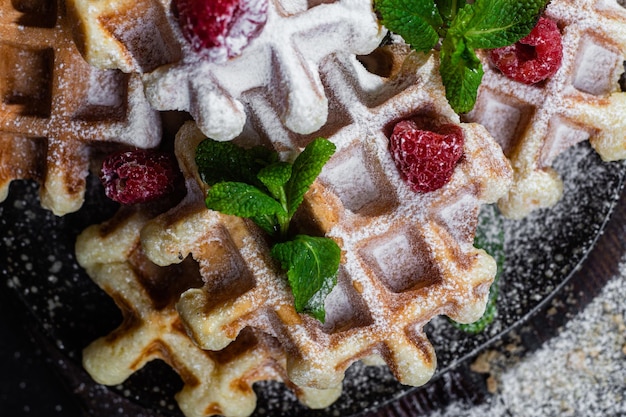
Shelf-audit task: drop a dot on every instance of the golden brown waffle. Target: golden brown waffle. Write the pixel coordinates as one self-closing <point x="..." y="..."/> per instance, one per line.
<point x="214" y="382"/>
<point x="144" y="36"/>
<point x="54" y="108"/>
<point x="536" y="123"/>
<point x="406" y="257"/>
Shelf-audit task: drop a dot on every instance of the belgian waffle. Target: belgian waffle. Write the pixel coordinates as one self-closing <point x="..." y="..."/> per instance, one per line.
<point x="406" y="257"/>
<point x="55" y="108"/>
<point x="144" y="36"/>
<point x="582" y="101"/>
<point x="214" y="382"/>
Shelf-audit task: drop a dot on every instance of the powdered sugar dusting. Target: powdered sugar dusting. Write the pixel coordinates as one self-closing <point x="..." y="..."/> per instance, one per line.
<point x="529" y="242"/>
<point x="285" y="56"/>
<point x="583" y="96"/>
<point x="580" y="372"/>
<point x="57" y="109"/>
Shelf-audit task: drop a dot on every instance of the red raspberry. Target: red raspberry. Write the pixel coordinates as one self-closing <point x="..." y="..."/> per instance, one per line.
<point x="139" y="176"/>
<point x="426" y="159"/>
<point x="221" y="29"/>
<point x="534" y="58"/>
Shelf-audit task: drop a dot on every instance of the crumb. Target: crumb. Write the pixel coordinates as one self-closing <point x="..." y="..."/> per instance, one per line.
<point x="482" y="363"/>
<point x="492" y="384"/>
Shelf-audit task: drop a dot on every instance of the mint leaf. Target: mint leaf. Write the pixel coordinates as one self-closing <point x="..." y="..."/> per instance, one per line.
<point x="448" y="9"/>
<point x="461" y="72"/>
<point x="311" y="264"/>
<point x="274" y="177"/>
<point x="244" y="200"/>
<point x="225" y="161"/>
<point x="488" y="24"/>
<point x="490" y="237"/>
<point x="270" y="223"/>
<point x="306" y="168"/>
<point x="417" y="21"/>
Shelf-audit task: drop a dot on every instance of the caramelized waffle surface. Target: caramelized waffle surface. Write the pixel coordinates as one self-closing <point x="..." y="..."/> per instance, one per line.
<point x="55" y="109"/>
<point x="406" y="257"/>
<point x="144" y="36"/>
<point x="214" y="382"/>
<point x="582" y="101"/>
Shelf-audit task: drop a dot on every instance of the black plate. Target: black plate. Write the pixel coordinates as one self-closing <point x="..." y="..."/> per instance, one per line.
<point x="67" y="311"/>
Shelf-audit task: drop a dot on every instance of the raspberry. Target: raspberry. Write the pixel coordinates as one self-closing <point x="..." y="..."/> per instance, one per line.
<point x="139" y="176"/>
<point x="426" y="159"/>
<point x="221" y="29"/>
<point x="534" y="58"/>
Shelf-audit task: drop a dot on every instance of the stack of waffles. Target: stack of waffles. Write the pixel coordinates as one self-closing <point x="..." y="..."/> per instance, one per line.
<point x="198" y="289"/>
<point x="57" y="111"/>
<point x="582" y="101"/>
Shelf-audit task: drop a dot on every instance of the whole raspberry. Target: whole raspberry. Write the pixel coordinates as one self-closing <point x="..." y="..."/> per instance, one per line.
<point x="139" y="176"/>
<point x="426" y="159"/>
<point x="221" y="29"/>
<point x="534" y="58"/>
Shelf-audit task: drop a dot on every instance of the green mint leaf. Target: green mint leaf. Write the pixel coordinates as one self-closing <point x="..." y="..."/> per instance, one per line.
<point x="244" y="200"/>
<point x="417" y="21"/>
<point x="225" y="161"/>
<point x="488" y="24"/>
<point x="461" y="72"/>
<point x="490" y="237"/>
<point x="448" y="10"/>
<point x="311" y="264"/>
<point x="274" y="177"/>
<point x="306" y="168"/>
<point x="268" y="222"/>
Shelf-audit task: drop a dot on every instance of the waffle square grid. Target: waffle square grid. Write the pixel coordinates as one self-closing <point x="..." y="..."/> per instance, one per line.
<point x="55" y="108"/>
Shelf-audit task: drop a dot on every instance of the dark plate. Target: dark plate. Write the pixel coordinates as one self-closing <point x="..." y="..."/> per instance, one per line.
<point x="65" y="311"/>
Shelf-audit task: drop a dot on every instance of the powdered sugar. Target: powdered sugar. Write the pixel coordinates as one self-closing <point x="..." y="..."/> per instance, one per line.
<point x="369" y="386"/>
<point x="582" y="95"/>
<point x="282" y="60"/>
<point x="580" y="372"/>
<point x="57" y="109"/>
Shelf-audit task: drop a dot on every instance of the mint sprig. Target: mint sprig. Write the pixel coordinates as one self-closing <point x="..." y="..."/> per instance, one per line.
<point x="461" y="28"/>
<point x="253" y="183"/>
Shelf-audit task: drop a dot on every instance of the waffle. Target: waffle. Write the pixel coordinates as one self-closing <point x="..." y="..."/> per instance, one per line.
<point x="536" y="123"/>
<point x="55" y="109"/>
<point x="386" y="232"/>
<point x="214" y="382"/>
<point x="284" y="58"/>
